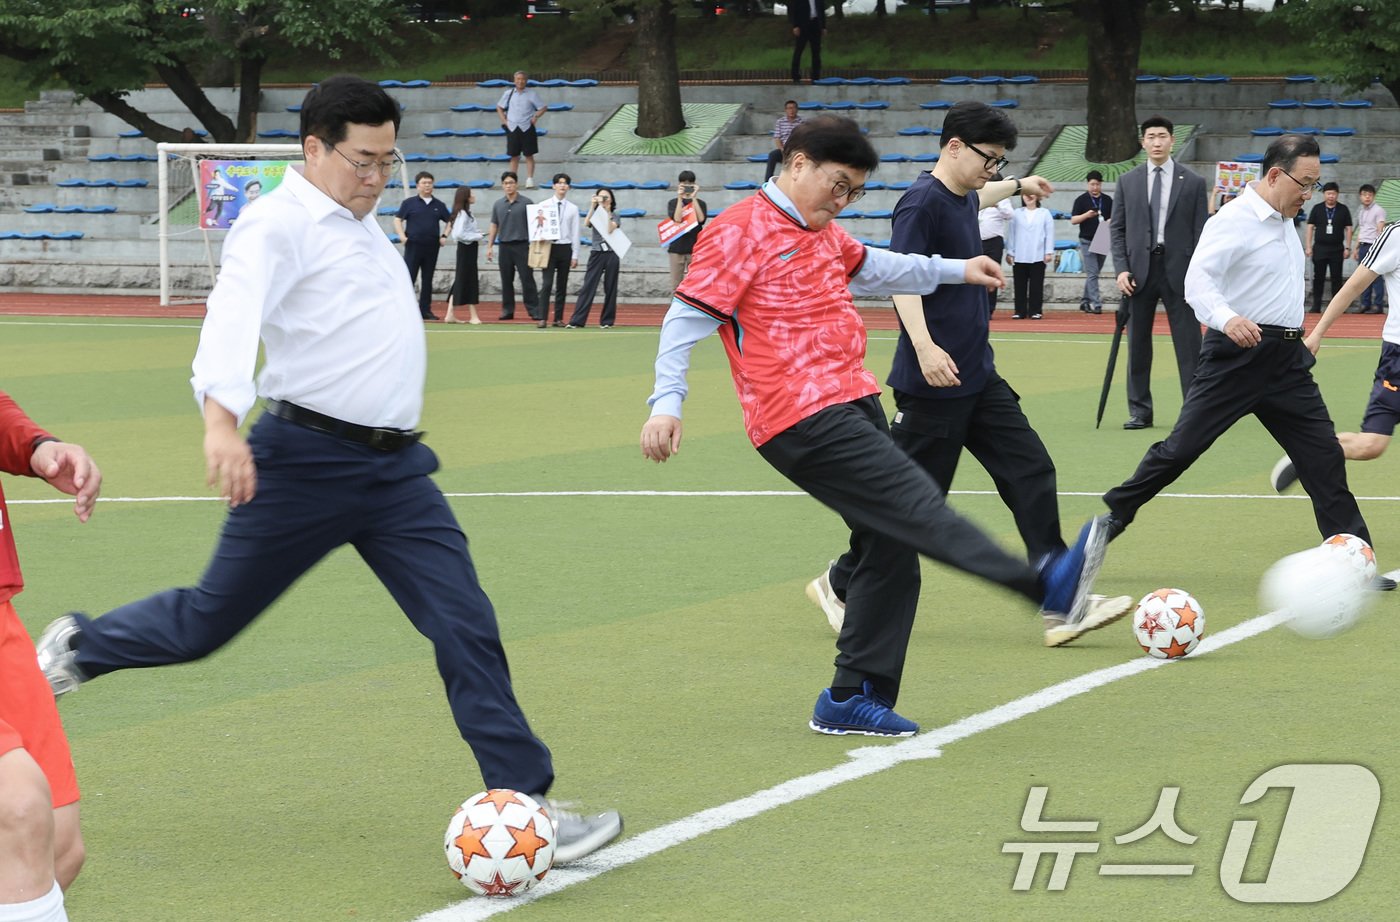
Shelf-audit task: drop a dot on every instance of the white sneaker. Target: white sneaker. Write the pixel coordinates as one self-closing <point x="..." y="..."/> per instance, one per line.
<point x="1099" y="612"/>
<point x="824" y="597"/>
<point x="1284" y="474"/>
<point x="56" y="656"/>
<point x="529" y="182"/>
<point x="576" y="835"/>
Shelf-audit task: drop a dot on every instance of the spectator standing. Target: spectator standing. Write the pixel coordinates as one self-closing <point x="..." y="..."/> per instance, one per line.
<point x="1156" y="222"/>
<point x="603" y="266"/>
<point x="41" y="847"/>
<point x="519" y="108"/>
<point x="466" y="287"/>
<point x="808" y="20"/>
<point x="683" y="246"/>
<point x="563" y="252"/>
<point x="1370" y="221"/>
<point x="419" y="225"/>
<point x="991" y="225"/>
<point x="1328" y="240"/>
<point x="1091" y="207"/>
<point x="510" y="228"/>
<point x="1030" y="247"/>
<point x="781" y="129"/>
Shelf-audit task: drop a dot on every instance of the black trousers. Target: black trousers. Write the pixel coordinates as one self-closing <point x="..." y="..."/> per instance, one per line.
<point x="421" y="258"/>
<point x="1274" y="382"/>
<point x="556" y="278"/>
<point x="1186" y="337"/>
<point x="317" y="493"/>
<point x="466" y="287"/>
<point x="1322" y="265"/>
<point x="775" y="159"/>
<point x="1028" y="281"/>
<point x="810" y="34"/>
<point x="515" y="257"/>
<point x="602" y="266"/>
<point x="995" y="247"/>
<point x="844" y="458"/>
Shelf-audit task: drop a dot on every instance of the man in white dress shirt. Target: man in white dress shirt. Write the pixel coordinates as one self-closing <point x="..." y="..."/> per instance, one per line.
<point x="1245" y="282"/>
<point x="563" y="253"/>
<point x="335" y="459"/>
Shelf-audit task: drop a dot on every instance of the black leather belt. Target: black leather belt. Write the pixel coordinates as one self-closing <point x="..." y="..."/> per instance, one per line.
<point x="378" y="439"/>
<point x="1276" y="332"/>
<point x="1159" y="249"/>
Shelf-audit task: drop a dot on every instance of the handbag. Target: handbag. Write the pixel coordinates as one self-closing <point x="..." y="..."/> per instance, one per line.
<point x="539" y="254"/>
<point x="465" y="230"/>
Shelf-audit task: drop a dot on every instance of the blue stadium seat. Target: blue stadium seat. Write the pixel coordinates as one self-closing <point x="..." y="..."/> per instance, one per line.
<point x="895" y="186"/>
<point x="495" y="132"/>
<point x="387" y="212"/>
<point x="742" y="186"/>
<point x="448" y="183"/>
<point x="1355" y="104"/>
<point x="1284" y="104"/>
<point x="841" y="105"/>
<point x="918" y="131"/>
<point x="875" y="186"/>
<point x="925" y="158"/>
<point x="1250" y="158"/>
<point x="810" y="106"/>
<point x="1148" y="78"/>
<point x="480" y="184"/>
<point x="936" y="104"/>
<point x="133" y="133"/>
<point x="620" y="185"/>
<point x="417" y="84"/>
<point x="1303" y="129"/>
<point x="1339" y="132"/>
<point x="1179" y="78"/>
<point x="471" y="158"/>
<point x="69" y="183"/>
<point x="1267" y="132"/>
<point x="101" y="158"/>
<point x="439" y="133"/>
<point x="757" y="158"/>
<point x="585" y="82"/>
<point x="278" y="133"/>
<point x="631" y="212"/>
<point x="40" y="208"/>
<point x="894" y="158"/>
<point x="296" y="108"/>
<point x="893" y="81"/>
<point x="1213" y="78"/>
<point x="390" y="84"/>
<point x="872" y="105"/>
<point x="1300" y="78"/>
<point x="1023" y="78"/>
<point x="560" y="107"/>
<point x="67" y="235"/>
<point x="653" y="185"/>
<point x="860" y="81"/>
<point x="828" y="81"/>
<point x="1003" y="103"/>
<point x="1330" y="158"/>
<point x="588" y="184"/>
<point x="1319" y="104"/>
<point x="128" y="183"/>
<point x="493" y="83"/>
<point x="956" y="80"/>
<point x="415" y="158"/>
<point x="880" y="214"/>
<point x="553" y="83"/>
<point x="498" y="158"/>
<point x="991" y="80"/>
<point x="470" y="107"/>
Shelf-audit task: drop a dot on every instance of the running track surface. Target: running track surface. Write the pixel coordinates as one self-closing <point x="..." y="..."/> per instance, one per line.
<point x="1359" y="326"/>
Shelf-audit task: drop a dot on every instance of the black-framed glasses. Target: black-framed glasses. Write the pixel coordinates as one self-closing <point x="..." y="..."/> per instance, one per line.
<point x="992" y="163"/>
<point x="383" y="168"/>
<point x="1314" y="186"/>
<point x="842" y="189"/>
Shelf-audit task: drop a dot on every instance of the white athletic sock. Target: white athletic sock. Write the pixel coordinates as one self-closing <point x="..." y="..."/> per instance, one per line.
<point x="47" y="908"/>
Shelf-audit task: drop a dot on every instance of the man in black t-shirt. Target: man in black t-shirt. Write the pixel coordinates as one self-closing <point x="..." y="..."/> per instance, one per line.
<point x="419" y="224"/>
<point x="1085" y="214"/>
<point x="1328" y="240"/>
<point x="948" y="394"/>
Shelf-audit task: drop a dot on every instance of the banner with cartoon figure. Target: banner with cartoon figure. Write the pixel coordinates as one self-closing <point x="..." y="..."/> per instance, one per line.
<point x="1232" y="176"/>
<point x="226" y="187"/>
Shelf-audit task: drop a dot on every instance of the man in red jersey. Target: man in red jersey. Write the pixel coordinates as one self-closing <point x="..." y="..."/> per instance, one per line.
<point x="41" y="848"/>
<point x="775" y="277"/>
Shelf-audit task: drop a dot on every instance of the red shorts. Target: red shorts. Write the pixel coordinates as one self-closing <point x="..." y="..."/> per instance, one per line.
<point x="28" y="715"/>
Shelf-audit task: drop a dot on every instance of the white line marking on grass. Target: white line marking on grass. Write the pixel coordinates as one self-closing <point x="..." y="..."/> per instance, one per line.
<point x="683" y="494"/>
<point x="864" y="761"/>
<point x="193" y="325"/>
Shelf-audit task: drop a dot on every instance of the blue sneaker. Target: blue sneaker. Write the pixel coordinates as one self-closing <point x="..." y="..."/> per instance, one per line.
<point x="1068" y="576"/>
<point x="867" y="714"/>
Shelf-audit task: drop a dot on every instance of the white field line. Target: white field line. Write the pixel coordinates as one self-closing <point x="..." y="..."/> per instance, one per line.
<point x="861" y="762"/>
<point x="683" y="494"/>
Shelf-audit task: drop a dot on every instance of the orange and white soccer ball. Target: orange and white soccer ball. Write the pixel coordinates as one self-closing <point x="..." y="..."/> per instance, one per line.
<point x="1322" y="591"/>
<point x="1356" y="552"/>
<point x="500" y="843"/>
<point x="1169" y="623"/>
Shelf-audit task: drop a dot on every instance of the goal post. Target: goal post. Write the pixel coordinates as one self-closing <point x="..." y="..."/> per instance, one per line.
<point x="179" y="184"/>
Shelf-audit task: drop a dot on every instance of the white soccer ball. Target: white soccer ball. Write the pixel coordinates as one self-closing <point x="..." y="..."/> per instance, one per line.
<point x="1356" y="552"/>
<point x="1322" y="592"/>
<point x="1169" y="623"/>
<point x="500" y="843"/>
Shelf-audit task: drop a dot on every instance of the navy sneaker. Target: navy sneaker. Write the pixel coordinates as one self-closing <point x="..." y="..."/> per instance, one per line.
<point x="1284" y="475"/>
<point x="867" y="714"/>
<point x="1068" y="576"/>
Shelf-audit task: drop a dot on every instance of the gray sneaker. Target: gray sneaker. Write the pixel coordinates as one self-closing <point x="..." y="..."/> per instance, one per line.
<point x="1100" y="612"/>
<point x="824" y="597"/>
<point x="1284" y="474"/>
<point x="576" y="835"/>
<point x="57" y="658"/>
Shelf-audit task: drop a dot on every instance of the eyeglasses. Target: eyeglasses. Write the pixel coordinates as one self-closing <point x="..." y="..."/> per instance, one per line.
<point x="1314" y="186"/>
<point x="842" y="189"/>
<point x="383" y="168"/>
<point x="994" y="164"/>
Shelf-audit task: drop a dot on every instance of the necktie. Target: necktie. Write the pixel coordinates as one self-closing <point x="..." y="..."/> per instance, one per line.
<point x="1154" y="206"/>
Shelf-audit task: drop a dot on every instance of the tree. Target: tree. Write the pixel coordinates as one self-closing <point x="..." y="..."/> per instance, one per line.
<point x="1362" y="39"/>
<point x="1114" y="34"/>
<point x="104" y="51"/>
<point x="658" y="73"/>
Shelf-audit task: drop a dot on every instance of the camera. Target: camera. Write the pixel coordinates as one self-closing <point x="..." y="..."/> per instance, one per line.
<point x="688" y="188"/>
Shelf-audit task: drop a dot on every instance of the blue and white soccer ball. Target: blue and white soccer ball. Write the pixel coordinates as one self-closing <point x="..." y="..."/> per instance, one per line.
<point x="1323" y="592"/>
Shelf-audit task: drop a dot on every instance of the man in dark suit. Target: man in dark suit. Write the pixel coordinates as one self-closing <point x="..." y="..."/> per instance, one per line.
<point x="808" y="19"/>
<point x="1156" y="222"/>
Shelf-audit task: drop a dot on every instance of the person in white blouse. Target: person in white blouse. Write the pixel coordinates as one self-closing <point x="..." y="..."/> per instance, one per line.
<point x="1245" y="283"/>
<point x="563" y="253"/>
<point x="335" y="458"/>
<point x="991" y="225"/>
<point x="1030" y="247"/>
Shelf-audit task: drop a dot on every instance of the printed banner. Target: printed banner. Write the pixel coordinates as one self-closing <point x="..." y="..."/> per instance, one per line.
<point x="1231" y="176"/>
<point x="543" y="220"/>
<point x="226" y="187"/>
<point x="616" y="240"/>
<point x="667" y="231"/>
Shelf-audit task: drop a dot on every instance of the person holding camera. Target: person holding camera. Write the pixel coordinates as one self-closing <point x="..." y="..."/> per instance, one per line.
<point x="603" y="265"/>
<point x="686" y="206"/>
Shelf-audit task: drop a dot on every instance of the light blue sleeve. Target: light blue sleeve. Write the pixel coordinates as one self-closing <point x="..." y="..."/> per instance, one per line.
<point x="683" y="327"/>
<point x="886" y="273"/>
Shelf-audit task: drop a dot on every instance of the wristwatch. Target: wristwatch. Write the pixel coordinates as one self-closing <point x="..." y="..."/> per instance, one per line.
<point x="1018" y="184"/>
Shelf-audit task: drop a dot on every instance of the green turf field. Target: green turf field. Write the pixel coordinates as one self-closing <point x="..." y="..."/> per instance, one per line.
<point x="663" y="647"/>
